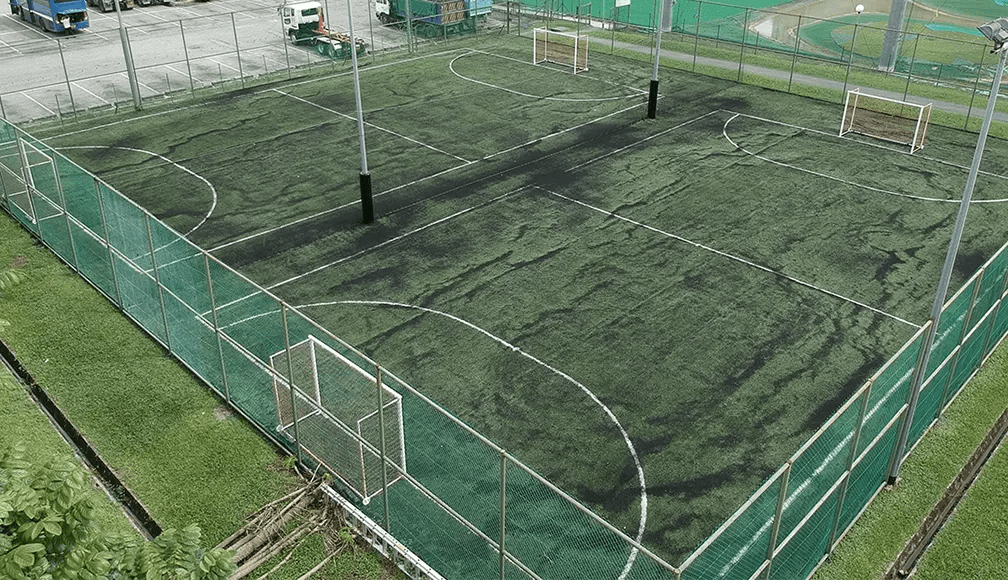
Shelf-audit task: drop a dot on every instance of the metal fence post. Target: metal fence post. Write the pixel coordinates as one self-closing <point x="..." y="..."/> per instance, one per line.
<point x="794" y="58"/>
<point x="381" y="434"/>
<point x="976" y="86"/>
<point x="234" y="28"/>
<point x="66" y="216"/>
<point x="850" y="466"/>
<point x="216" y="328"/>
<point x="913" y="58"/>
<point x="290" y="376"/>
<point x="185" y="50"/>
<point x="3" y="114"/>
<point x="66" y="75"/>
<point x="696" y="37"/>
<point x="157" y="280"/>
<point x="959" y="343"/>
<point x="108" y="244"/>
<point x="503" y="511"/>
<point x="286" y="56"/>
<point x="130" y="66"/>
<point x="777" y="518"/>
<point x="742" y="49"/>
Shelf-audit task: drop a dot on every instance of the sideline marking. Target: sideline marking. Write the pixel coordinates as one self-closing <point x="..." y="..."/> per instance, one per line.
<point x="372" y="125"/>
<point x="729" y="256"/>
<point x="724" y="131"/>
<point x="79" y="86"/>
<point x="451" y="67"/>
<point x="656" y="135"/>
<point x="32" y="99"/>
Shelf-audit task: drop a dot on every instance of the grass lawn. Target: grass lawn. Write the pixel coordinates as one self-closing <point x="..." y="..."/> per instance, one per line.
<point x="975" y="540"/>
<point x="170" y="441"/>
<point x="21" y="421"/>
<point x="971" y="545"/>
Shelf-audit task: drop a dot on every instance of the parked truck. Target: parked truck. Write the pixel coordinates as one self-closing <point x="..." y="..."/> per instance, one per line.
<point x="53" y="15"/>
<point x="304" y="22"/>
<point x="432" y="18"/>
<point x="106" y="5"/>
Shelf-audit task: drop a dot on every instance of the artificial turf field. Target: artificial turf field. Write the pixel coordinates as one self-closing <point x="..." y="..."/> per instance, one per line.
<point x="662" y="309"/>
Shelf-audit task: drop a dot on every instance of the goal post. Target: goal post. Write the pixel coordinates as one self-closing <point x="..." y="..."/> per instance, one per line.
<point x="563" y="48"/>
<point x="888" y="119"/>
<point x="335" y="406"/>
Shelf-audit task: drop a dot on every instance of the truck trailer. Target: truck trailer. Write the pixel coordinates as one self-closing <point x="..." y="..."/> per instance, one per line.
<point x="431" y="18"/>
<point x="106" y="5"/>
<point x="304" y="22"/>
<point x="53" y="15"/>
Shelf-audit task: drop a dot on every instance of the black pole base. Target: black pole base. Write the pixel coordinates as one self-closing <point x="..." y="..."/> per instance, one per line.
<point x="366" y="199"/>
<point x="892" y="481"/>
<point x="652" y="102"/>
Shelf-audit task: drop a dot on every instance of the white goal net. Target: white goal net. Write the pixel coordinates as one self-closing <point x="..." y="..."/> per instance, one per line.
<point x="887" y="119"/>
<point x="569" y="50"/>
<point x="334" y="400"/>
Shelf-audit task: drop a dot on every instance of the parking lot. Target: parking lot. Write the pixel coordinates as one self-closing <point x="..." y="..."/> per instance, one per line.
<point x="181" y="47"/>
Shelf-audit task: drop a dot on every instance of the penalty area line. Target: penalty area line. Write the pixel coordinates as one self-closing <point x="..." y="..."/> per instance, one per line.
<point x="732" y="257"/>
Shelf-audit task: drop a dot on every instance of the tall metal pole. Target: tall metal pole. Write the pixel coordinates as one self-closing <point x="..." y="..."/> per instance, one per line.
<point x="128" y="55"/>
<point x="946" y="274"/>
<point x="893" y="35"/>
<point x="367" y="200"/>
<point x="652" y="104"/>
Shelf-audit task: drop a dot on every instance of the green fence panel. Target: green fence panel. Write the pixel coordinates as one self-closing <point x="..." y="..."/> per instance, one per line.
<point x="139" y="296"/>
<point x="79" y="194"/>
<point x="804" y="550"/>
<point x="193" y="340"/>
<point x="1000" y="326"/>
<point x="247" y="314"/>
<point x="181" y="267"/>
<point x="742" y="546"/>
<point x="929" y="402"/>
<point x="868" y="475"/>
<point x="52" y="227"/>
<point x="991" y="285"/>
<point x="889" y="391"/>
<point x="970" y="356"/>
<point x="552" y="537"/>
<point x="250" y="388"/>
<point x="93" y="258"/>
<point x="950" y="326"/>
<point x="819" y="467"/>
<point x="127" y="228"/>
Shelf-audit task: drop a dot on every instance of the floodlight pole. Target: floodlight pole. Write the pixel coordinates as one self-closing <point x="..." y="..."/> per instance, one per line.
<point x="367" y="200"/>
<point x="652" y="105"/>
<point x="128" y="55"/>
<point x="859" y="9"/>
<point x="946" y="274"/>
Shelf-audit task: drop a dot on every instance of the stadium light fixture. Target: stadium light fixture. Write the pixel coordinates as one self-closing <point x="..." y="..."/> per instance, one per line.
<point x="997" y="32"/>
<point x="850" y="58"/>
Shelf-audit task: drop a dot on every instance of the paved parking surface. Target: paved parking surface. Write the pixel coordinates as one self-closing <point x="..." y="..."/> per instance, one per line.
<point x="175" y="48"/>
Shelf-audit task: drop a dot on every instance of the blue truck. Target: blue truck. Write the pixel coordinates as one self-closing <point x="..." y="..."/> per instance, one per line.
<point x="53" y="15"/>
<point x="435" y="17"/>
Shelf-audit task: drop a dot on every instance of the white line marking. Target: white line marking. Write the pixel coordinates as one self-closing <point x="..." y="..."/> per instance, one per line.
<point x="730" y="257"/>
<point x="10" y="47"/>
<point x="213" y="190"/>
<point x="724" y="131"/>
<point x="32" y="28"/>
<point x="451" y="67"/>
<point x="78" y="85"/>
<point x="391" y="240"/>
<point x="186" y="74"/>
<point x="636" y="143"/>
<point x="123" y="75"/>
<point x="30" y="98"/>
<point x="372" y="125"/>
<point x="222" y="64"/>
<point x="605" y="409"/>
<point x="527" y="63"/>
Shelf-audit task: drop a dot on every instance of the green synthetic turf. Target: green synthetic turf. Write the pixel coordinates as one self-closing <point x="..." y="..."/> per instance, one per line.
<point x="717" y="370"/>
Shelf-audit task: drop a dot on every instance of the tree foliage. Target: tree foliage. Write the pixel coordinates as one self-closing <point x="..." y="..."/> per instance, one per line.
<point x="47" y="532"/>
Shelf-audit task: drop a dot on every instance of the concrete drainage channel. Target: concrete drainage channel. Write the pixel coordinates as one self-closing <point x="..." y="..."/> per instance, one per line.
<point x="111" y="483"/>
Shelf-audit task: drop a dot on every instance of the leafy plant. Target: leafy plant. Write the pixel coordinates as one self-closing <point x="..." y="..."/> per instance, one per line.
<point x="47" y="532"/>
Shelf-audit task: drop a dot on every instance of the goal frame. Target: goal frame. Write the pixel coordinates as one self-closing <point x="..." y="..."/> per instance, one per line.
<point x="916" y="142"/>
<point x="579" y="55"/>
<point x="313" y="396"/>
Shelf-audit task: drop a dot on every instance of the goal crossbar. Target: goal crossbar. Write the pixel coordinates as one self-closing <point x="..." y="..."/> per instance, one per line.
<point x="563" y="48"/>
<point x="885" y="118"/>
